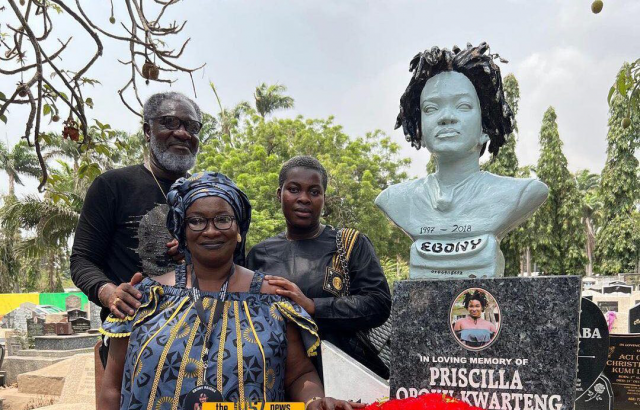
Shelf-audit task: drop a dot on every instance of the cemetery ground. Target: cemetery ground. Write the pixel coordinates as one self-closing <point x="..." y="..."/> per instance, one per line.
<point x="47" y="354"/>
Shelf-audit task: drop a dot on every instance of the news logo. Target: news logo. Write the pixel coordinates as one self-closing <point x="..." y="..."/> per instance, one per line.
<point x="253" y="406"/>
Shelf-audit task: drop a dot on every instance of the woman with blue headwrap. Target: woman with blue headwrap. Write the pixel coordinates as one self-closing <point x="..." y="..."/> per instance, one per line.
<point x="212" y="330"/>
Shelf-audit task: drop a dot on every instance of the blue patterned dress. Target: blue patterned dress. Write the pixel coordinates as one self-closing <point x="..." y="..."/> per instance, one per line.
<point x="246" y="361"/>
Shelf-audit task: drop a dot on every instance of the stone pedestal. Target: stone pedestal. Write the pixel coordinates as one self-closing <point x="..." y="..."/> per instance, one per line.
<point x="66" y="342"/>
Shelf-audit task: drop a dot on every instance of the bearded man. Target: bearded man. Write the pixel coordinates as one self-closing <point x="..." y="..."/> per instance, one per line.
<point x="104" y="257"/>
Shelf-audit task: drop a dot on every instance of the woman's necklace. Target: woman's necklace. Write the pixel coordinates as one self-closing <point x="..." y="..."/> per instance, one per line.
<point x="204" y="388"/>
<point x="315" y="235"/>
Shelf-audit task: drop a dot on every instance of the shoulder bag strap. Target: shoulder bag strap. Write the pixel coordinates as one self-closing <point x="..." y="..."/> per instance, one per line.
<point x="345" y="241"/>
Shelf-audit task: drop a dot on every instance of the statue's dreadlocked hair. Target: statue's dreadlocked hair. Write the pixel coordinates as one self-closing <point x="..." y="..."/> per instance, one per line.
<point x="484" y="74"/>
<point x="477" y="295"/>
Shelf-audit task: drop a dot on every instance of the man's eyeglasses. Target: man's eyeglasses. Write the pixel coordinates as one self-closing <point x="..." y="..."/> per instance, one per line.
<point x="171" y="122"/>
<point x="220" y="222"/>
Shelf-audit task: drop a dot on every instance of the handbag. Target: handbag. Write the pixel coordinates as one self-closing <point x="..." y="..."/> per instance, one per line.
<point x="376" y="341"/>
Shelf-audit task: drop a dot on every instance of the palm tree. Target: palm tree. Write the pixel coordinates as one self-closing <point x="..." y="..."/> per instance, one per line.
<point x="270" y="98"/>
<point x="19" y="161"/>
<point x="52" y="219"/>
<point x="588" y="184"/>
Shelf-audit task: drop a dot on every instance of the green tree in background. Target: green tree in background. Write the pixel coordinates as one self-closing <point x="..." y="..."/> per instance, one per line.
<point x="506" y="164"/>
<point x="270" y="98"/>
<point x="588" y="184"/>
<point x="358" y="170"/>
<point x="559" y="248"/>
<point x="17" y="162"/>
<point x="618" y="241"/>
<point x="35" y="229"/>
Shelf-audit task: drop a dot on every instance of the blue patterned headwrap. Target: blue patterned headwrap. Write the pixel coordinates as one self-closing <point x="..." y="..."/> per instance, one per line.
<point x="185" y="191"/>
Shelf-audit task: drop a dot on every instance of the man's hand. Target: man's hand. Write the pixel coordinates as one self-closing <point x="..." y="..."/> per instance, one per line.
<point x="290" y="290"/>
<point x="122" y="300"/>
<point x="173" y="251"/>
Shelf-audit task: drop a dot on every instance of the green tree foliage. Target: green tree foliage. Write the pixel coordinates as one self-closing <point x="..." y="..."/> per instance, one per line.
<point x="270" y="98"/>
<point x="358" y="170"/>
<point x="618" y="241"/>
<point x="17" y="162"/>
<point x="35" y="230"/>
<point x="588" y="184"/>
<point x="627" y="88"/>
<point x="506" y="164"/>
<point x="559" y="233"/>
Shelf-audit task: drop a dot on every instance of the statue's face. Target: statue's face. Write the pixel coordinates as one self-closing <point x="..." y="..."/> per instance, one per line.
<point x="451" y="117"/>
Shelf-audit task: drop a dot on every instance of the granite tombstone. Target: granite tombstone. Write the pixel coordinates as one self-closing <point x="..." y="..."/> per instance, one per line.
<point x="76" y="313"/>
<point x="597" y="397"/>
<point x="608" y="306"/>
<point x="617" y="287"/>
<point x="80" y="325"/>
<point x="72" y="302"/>
<point x="35" y="327"/>
<point x="49" y="328"/>
<point x="623" y="371"/>
<point x="94" y="316"/>
<point x="591" y="388"/>
<point x="634" y="319"/>
<point x="520" y="353"/>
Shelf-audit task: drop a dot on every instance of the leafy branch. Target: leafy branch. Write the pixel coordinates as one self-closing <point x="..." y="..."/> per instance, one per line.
<point x="48" y="86"/>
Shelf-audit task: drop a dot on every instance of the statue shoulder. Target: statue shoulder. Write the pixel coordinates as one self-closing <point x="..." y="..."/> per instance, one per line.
<point x="520" y="197"/>
<point x="519" y="190"/>
<point x="395" y="195"/>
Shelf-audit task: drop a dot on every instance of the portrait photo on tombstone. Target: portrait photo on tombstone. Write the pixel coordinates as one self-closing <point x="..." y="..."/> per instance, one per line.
<point x="475" y="319"/>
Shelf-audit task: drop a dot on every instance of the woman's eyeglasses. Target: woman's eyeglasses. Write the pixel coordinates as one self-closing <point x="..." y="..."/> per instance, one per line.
<point x="171" y="122"/>
<point x="220" y="222"/>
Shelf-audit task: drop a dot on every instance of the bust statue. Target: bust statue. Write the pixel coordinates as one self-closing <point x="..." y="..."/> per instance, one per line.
<point x="454" y="106"/>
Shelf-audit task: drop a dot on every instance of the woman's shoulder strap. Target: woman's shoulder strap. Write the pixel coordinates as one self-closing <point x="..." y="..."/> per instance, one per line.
<point x="256" y="282"/>
<point x="348" y="238"/>
<point x="181" y="276"/>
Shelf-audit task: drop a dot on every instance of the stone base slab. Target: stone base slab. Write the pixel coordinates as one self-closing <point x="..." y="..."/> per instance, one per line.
<point x="16" y="365"/>
<point x="49" y="380"/>
<point x="69" y="342"/>
<point x="52" y="353"/>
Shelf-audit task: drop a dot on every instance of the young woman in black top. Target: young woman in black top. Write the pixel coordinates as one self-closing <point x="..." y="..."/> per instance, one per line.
<point x="302" y="262"/>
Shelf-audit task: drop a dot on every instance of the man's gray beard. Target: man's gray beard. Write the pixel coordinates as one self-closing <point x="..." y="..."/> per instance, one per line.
<point x="170" y="161"/>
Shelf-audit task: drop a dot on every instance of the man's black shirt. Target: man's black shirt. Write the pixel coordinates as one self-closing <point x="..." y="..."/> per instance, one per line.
<point x="105" y="244"/>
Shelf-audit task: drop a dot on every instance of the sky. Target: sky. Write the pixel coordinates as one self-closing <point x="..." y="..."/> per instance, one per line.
<point x="349" y="59"/>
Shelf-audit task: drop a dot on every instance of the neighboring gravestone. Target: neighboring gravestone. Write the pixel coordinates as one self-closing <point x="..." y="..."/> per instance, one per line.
<point x="598" y="397"/>
<point x="76" y="313"/>
<point x="592" y="358"/>
<point x="63" y="328"/>
<point x="623" y="371"/>
<point x="35" y="328"/>
<point x="56" y="317"/>
<point x="17" y="318"/>
<point x="606" y="306"/>
<point x="634" y="319"/>
<point x="526" y="355"/>
<point x="80" y="325"/>
<point x="617" y="288"/>
<point x="49" y="328"/>
<point x="94" y="316"/>
<point x="73" y="302"/>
